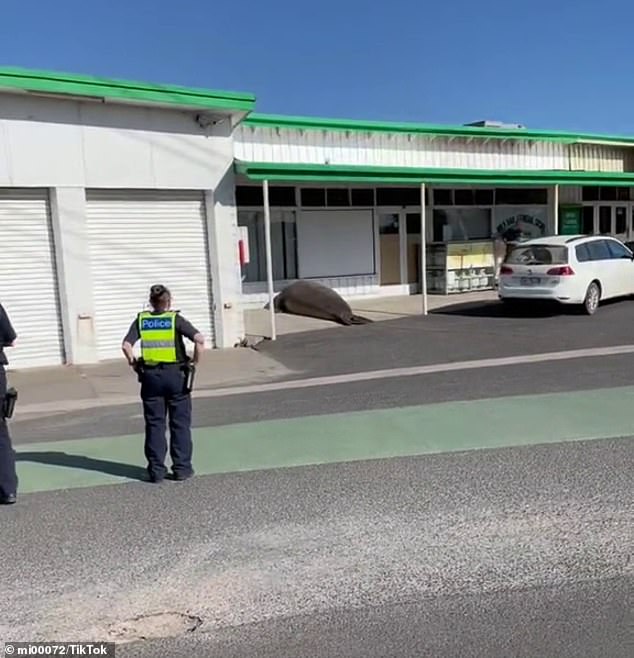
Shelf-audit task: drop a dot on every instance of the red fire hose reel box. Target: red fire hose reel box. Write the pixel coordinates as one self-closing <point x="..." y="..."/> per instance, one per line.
<point x="243" y="245"/>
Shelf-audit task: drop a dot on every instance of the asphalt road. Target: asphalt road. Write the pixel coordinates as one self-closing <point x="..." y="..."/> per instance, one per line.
<point x="519" y="551"/>
<point x="545" y="377"/>
<point x="513" y="552"/>
<point x="587" y="620"/>
<point x="455" y="333"/>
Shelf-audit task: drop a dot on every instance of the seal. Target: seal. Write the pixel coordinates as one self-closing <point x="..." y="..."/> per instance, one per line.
<point x="315" y="300"/>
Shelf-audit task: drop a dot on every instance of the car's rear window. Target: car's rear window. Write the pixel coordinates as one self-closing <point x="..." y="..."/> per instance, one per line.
<point x="538" y="254"/>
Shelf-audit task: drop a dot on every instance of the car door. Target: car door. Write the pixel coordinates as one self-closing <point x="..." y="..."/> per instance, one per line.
<point x="585" y="268"/>
<point x="623" y="267"/>
<point x="604" y="267"/>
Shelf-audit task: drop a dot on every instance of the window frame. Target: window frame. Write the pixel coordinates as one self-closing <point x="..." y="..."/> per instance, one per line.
<point x="598" y="242"/>
<point x="626" y="253"/>
<point x="284" y="209"/>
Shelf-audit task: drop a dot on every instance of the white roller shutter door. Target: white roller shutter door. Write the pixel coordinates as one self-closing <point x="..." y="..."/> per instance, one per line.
<point x="28" y="279"/>
<point x="138" y="239"/>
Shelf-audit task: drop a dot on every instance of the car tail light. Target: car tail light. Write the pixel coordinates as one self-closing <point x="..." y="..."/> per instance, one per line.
<point x="505" y="269"/>
<point x="566" y="270"/>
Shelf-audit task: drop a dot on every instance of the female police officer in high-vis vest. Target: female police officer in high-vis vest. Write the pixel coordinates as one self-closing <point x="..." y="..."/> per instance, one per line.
<point x="163" y="373"/>
<point x="8" y="474"/>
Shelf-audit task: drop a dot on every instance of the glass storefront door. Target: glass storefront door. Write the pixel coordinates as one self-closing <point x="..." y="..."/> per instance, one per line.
<point x="399" y="246"/>
<point x="413" y="241"/>
<point x="613" y="219"/>
<point x="389" y="249"/>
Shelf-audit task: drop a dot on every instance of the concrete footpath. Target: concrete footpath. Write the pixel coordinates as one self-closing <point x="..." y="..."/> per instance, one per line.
<point x="70" y="388"/>
<point x="378" y="309"/>
<point x="62" y="389"/>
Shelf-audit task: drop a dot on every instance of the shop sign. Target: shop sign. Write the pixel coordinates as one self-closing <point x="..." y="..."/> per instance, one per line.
<point x="570" y="220"/>
<point x="522" y="226"/>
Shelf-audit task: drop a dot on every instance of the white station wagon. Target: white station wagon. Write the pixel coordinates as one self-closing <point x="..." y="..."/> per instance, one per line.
<point x="568" y="269"/>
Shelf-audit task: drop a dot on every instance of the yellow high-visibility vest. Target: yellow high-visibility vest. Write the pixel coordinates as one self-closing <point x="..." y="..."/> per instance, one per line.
<point x="158" y="337"/>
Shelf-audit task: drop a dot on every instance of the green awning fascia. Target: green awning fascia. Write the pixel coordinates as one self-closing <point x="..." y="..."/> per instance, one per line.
<point x="142" y="93"/>
<point x="258" y="120"/>
<point x="304" y="173"/>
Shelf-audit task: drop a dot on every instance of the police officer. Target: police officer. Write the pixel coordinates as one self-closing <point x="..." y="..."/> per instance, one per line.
<point x="8" y="475"/>
<point x="163" y="371"/>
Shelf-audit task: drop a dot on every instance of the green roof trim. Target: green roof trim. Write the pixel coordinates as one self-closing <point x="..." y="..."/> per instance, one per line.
<point x="125" y="91"/>
<point x="344" y="174"/>
<point x="257" y="120"/>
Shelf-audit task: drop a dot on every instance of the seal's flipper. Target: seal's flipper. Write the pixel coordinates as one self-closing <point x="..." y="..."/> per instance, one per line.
<point x="359" y="319"/>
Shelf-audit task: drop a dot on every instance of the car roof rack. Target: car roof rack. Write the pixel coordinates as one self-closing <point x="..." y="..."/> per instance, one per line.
<point x="577" y="237"/>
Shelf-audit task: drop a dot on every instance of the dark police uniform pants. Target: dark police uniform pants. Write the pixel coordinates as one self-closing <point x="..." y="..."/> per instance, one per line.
<point x="8" y="476"/>
<point x="163" y="394"/>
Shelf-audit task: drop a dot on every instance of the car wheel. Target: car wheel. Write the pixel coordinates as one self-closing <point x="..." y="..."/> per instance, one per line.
<point x="591" y="301"/>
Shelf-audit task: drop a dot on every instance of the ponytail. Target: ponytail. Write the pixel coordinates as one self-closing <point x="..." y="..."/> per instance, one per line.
<point x="159" y="294"/>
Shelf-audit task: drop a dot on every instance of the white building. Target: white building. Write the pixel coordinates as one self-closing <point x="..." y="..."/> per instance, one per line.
<point x="105" y="188"/>
<point x="109" y="186"/>
<point x="346" y="196"/>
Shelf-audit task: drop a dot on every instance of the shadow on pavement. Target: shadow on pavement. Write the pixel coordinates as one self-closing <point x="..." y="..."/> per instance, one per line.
<point x="83" y="463"/>
<point x="496" y="309"/>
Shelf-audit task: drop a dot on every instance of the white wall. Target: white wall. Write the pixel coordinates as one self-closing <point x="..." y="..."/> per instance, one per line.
<point x="68" y="216"/>
<point x="338" y="147"/>
<point x="59" y="143"/>
<point x="68" y="146"/>
<point x="225" y="266"/>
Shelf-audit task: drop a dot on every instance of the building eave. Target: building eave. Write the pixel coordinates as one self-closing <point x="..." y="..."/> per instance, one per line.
<point x="353" y="174"/>
<point x="89" y="88"/>
<point x="257" y="120"/>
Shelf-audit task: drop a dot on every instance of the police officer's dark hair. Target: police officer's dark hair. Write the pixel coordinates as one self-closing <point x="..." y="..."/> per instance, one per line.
<point x="158" y="293"/>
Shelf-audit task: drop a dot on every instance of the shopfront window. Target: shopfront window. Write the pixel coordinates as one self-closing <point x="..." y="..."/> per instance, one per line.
<point x="461" y="224"/>
<point x="605" y="193"/>
<point x="283" y="244"/>
<point x="253" y="195"/>
<point x="587" y="220"/>
<point x="522" y="196"/>
<point x="621" y="220"/>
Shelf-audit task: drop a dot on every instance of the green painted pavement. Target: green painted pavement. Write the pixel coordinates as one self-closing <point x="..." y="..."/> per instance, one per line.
<point x="433" y="428"/>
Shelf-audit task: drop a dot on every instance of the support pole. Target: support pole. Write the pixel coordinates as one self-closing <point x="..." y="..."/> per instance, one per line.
<point x="556" y="209"/>
<point x="269" y="256"/>
<point x="423" y="247"/>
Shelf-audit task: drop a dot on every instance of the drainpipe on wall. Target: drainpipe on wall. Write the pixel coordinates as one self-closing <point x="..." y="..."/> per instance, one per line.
<point x="269" y="256"/>
<point x="423" y="247"/>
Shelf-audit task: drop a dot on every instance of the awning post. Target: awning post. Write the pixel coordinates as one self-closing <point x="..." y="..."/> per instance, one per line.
<point x="556" y="209"/>
<point x="423" y="247"/>
<point x="269" y="256"/>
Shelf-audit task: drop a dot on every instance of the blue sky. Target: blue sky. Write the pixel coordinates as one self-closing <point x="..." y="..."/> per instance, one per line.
<point x="546" y="64"/>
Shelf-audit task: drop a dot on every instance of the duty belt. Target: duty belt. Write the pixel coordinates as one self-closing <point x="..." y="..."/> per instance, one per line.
<point x="188" y="367"/>
<point x="152" y="365"/>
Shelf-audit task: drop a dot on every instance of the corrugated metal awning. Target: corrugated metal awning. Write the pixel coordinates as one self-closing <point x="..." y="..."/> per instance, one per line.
<point x="350" y="174"/>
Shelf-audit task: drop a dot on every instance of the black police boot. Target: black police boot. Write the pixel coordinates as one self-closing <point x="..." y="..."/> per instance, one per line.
<point x="11" y="499"/>
<point x="181" y="477"/>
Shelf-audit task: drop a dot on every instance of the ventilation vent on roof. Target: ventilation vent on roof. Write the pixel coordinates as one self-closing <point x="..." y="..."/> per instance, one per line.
<point x="495" y="124"/>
